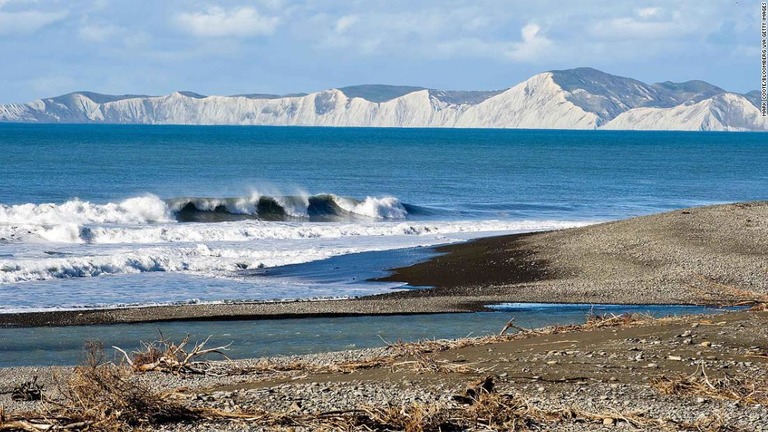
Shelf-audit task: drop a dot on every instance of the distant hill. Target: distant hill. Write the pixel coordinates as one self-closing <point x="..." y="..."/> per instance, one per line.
<point x="582" y="98"/>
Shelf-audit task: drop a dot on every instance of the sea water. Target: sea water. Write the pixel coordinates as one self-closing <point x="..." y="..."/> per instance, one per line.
<point x="111" y="215"/>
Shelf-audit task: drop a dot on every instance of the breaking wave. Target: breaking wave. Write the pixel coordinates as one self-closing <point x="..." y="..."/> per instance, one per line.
<point x="146" y="209"/>
<point x="151" y="209"/>
<point x="218" y="237"/>
<point x="316" y="208"/>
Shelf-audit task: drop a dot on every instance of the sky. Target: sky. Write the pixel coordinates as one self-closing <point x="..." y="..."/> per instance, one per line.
<point x="223" y="47"/>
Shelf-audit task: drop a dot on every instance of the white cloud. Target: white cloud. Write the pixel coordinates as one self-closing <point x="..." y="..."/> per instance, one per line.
<point x="218" y="22"/>
<point x="534" y="44"/>
<point x="648" y="12"/>
<point x="650" y="23"/>
<point x="409" y="32"/>
<point x="25" y="22"/>
<point x="98" y="33"/>
<point x="344" y="23"/>
<point x="630" y="28"/>
<point x="468" y="31"/>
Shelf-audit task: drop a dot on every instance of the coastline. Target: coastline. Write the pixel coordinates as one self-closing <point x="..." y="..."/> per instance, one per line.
<point x="711" y="255"/>
<point x="693" y="372"/>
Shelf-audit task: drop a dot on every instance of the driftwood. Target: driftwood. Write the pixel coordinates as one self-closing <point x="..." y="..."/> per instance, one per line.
<point x="28" y="391"/>
<point x="165" y="356"/>
<point x="749" y="389"/>
<point x="474" y="390"/>
<point x="511" y="325"/>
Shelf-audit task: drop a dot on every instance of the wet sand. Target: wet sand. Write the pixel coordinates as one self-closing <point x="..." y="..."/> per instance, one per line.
<point x="708" y="255"/>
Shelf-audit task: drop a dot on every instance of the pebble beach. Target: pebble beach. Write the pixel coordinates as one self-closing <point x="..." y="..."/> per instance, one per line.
<point x="616" y="375"/>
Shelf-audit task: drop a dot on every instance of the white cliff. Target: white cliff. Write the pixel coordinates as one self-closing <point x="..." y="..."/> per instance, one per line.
<point x="573" y="99"/>
<point x="725" y="112"/>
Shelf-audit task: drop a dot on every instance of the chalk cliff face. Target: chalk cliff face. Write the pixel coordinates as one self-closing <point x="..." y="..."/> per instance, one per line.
<point x="581" y="98"/>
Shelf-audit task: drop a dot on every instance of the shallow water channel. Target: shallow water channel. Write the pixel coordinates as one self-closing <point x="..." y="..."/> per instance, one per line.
<point x="258" y="338"/>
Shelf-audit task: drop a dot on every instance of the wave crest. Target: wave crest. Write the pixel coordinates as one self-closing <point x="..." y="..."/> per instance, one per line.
<point x="151" y="209"/>
<point x="144" y="209"/>
<point x="316" y="208"/>
<point x="383" y="208"/>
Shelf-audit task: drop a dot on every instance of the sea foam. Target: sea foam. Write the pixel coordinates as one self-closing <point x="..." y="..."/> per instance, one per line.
<point x="144" y="209"/>
<point x="224" y="249"/>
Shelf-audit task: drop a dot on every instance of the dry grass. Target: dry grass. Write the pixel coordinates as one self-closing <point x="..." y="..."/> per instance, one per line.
<point x="505" y="412"/>
<point x="713" y="423"/>
<point x="716" y="292"/>
<point x="596" y="321"/>
<point x="742" y="388"/>
<point x="100" y="396"/>
<point x="104" y="397"/>
<point x="488" y="412"/>
<point x="411" y="418"/>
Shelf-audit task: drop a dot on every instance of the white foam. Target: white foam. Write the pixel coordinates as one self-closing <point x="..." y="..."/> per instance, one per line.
<point x="380" y="208"/>
<point x="194" y="259"/>
<point x="224" y="249"/>
<point x="138" y="210"/>
<point x="252" y="230"/>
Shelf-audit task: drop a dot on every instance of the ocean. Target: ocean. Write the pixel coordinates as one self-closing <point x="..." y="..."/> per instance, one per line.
<point x="115" y="215"/>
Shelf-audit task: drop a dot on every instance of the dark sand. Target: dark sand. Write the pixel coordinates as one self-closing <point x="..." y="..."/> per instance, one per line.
<point x="706" y="255"/>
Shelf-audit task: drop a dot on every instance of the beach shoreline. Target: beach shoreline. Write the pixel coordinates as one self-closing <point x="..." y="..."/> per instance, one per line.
<point x="714" y="255"/>
<point x="615" y="371"/>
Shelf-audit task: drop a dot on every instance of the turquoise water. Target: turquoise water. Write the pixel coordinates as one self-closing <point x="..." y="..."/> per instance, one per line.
<point x="105" y="215"/>
<point x="262" y="338"/>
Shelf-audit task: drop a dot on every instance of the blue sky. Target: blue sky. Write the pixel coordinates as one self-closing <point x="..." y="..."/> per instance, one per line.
<point x="52" y="47"/>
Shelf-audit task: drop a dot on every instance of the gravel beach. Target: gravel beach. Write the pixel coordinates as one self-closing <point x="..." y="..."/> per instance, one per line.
<point x="707" y="255"/>
<point x="608" y="377"/>
<point x="689" y="373"/>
